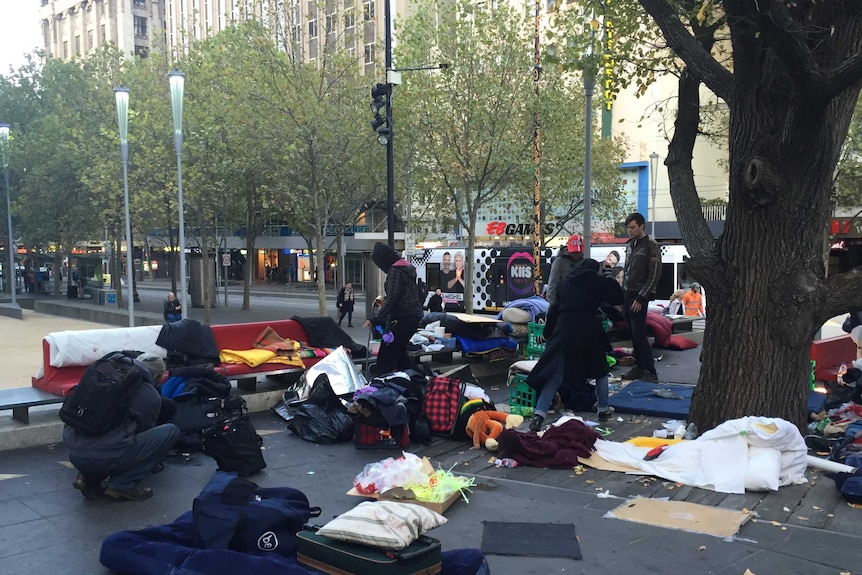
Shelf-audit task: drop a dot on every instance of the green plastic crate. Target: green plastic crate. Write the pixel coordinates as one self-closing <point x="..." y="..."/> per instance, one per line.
<point x="534" y="349"/>
<point x="522" y="397"/>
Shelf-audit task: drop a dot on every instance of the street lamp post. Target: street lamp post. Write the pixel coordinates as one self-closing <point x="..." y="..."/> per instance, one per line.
<point x="653" y="174"/>
<point x="589" y="86"/>
<point x="177" y="81"/>
<point x="122" y="97"/>
<point x="12" y="274"/>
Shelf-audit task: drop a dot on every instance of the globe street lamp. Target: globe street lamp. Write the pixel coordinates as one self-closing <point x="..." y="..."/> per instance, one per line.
<point x="122" y="96"/>
<point x="12" y="273"/>
<point x="177" y="80"/>
<point x="653" y="173"/>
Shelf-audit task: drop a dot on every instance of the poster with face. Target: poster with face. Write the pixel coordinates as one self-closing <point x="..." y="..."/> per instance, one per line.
<point x="453" y="276"/>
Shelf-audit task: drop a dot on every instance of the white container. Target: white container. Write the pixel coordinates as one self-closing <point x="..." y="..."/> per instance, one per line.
<point x="375" y="346"/>
<point x="439" y="332"/>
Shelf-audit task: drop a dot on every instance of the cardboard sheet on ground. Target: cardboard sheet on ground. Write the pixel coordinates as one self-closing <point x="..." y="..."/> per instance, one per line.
<point x="596" y="461"/>
<point x="639" y="398"/>
<point x="682" y="515"/>
<point x="530" y="539"/>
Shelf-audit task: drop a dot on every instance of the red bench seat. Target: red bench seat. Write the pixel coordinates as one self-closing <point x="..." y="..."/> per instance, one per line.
<point x="239" y="336"/>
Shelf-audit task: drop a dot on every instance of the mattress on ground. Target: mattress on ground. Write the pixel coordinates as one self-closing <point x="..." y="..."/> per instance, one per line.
<point x="639" y="397"/>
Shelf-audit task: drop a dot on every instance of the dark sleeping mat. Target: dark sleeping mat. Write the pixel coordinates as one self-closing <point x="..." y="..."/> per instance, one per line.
<point x="656" y="399"/>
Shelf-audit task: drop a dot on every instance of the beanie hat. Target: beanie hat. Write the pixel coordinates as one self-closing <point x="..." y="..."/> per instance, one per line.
<point x="155" y="364"/>
<point x="575" y="244"/>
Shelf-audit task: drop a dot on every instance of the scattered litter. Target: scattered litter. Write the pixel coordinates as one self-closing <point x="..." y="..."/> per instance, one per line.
<point x="310" y="472"/>
<point x="801" y="518"/>
<point x="702" y="548"/>
<point x="604" y="431"/>
<point x="786" y="509"/>
<point x="605" y="494"/>
<point x="748" y="572"/>
<point x="620" y="419"/>
<point x="817" y="508"/>
<point x="666" y="394"/>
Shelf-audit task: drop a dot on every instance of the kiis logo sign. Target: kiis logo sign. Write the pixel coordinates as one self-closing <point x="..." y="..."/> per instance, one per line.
<point x="504" y="229"/>
<point x="519" y="273"/>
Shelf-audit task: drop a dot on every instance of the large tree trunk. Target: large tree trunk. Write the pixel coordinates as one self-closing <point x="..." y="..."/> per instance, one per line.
<point x="765" y="276"/>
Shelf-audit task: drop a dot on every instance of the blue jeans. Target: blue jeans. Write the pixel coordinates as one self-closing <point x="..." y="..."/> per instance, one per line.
<point x="546" y="395"/>
<point x="148" y="450"/>
<point x="637" y="325"/>
<point x="172" y="317"/>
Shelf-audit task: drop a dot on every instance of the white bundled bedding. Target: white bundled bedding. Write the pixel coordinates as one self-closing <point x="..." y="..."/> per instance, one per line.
<point x="83" y="347"/>
<point x="754" y="453"/>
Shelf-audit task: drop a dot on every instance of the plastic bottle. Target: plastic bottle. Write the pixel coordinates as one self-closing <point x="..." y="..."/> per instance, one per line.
<point x="690" y="431"/>
<point x="841" y="371"/>
<point x="505" y="462"/>
<point x="680" y="432"/>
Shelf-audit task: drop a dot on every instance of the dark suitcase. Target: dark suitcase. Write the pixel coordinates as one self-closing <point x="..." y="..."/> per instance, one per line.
<point x="422" y="557"/>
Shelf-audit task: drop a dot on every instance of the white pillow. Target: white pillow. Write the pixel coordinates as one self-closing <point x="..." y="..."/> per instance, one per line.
<point x="516" y="315"/>
<point x="763" y="469"/>
<point x="386" y="524"/>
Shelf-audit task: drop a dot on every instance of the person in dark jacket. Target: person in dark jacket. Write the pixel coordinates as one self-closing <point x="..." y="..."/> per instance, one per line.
<point x="114" y="463"/>
<point x="399" y="315"/>
<point x="435" y="302"/>
<point x="570" y="257"/>
<point x="173" y="309"/>
<point x="640" y="280"/>
<point x="345" y="303"/>
<point x="577" y="344"/>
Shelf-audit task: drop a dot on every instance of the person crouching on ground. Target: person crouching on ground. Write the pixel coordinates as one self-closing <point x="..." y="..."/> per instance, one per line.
<point x="399" y="315"/>
<point x="173" y="309"/>
<point x="113" y="463"/>
<point x="577" y="344"/>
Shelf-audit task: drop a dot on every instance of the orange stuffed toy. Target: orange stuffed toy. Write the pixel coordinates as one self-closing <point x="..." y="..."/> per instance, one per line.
<point x="485" y="426"/>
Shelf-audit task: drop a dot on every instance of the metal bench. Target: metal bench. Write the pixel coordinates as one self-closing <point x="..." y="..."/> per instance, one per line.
<point x="21" y="399"/>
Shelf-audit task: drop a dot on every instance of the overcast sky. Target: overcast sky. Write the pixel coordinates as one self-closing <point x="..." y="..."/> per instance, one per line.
<point x="19" y="32"/>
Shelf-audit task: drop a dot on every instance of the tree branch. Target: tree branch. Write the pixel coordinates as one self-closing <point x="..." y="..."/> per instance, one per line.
<point x="699" y="60"/>
<point x="843" y="76"/>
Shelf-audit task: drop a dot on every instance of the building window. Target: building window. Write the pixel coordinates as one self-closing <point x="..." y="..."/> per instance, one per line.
<point x="77" y="45"/>
<point x="349" y="18"/>
<point x="330" y="22"/>
<point x="296" y="35"/>
<point x="65" y="49"/>
<point x="140" y="3"/>
<point x="369" y="53"/>
<point x="368" y="7"/>
<point x="142" y="51"/>
<point x="312" y="28"/>
<point x="103" y="32"/>
<point x="140" y="27"/>
<point x="90" y="43"/>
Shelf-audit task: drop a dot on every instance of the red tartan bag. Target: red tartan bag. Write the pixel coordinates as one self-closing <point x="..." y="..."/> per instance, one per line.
<point x="442" y="403"/>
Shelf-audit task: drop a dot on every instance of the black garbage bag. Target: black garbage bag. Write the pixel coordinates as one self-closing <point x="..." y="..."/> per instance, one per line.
<point x="313" y="423"/>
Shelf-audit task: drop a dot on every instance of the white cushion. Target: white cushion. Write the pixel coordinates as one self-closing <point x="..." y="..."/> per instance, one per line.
<point x="516" y="315"/>
<point x="763" y="469"/>
<point x="385" y="524"/>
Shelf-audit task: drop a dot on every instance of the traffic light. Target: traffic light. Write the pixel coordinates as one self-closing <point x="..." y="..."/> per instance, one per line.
<point x="380" y="108"/>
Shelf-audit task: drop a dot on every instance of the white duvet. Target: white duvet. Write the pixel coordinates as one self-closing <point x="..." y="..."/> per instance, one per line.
<point x="83" y="347"/>
<point x="755" y="452"/>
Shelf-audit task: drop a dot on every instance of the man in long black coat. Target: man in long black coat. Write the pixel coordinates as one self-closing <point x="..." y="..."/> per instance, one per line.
<point x="577" y="344"/>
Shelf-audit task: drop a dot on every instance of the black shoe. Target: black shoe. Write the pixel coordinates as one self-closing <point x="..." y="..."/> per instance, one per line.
<point x="536" y="423"/>
<point x="136" y="493"/>
<point x="650" y="376"/>
<point x="634" y="373"/>
<point x="88" y="488"/>
<point x="350" y="325"/>
<point x="606" y="415"/>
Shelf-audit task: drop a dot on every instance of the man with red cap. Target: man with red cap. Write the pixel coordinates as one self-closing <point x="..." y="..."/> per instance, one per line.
<point x="570" y="257"/>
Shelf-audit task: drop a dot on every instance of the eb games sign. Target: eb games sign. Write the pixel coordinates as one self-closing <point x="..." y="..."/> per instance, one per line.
<point x="506" y="229"/>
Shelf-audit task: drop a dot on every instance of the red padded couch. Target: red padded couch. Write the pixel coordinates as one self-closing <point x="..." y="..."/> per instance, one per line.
<point x="240" y="336"/>
<point x="829" y="354"/>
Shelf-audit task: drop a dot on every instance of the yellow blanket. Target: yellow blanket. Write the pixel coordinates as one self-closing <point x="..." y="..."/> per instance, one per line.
<point x="256" y="357"/>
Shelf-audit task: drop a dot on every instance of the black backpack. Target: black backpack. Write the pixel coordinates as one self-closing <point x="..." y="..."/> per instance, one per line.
<point x="235" y="445"/>
<point x="100" y="401"/>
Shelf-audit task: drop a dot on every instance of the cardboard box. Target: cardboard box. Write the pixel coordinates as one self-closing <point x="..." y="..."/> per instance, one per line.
<point x="428" y="469"/>
<point x="438" y="507"/>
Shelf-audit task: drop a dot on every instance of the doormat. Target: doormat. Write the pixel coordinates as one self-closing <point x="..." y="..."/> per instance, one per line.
<point x="683" y="516"/>
<point x="530" y="539"/>
<point x="656" y="399"/>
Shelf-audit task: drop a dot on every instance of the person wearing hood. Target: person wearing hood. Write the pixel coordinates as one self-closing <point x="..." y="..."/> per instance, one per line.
<point x="399" y="315"/>
<point x="577" y="344"/>
<point x="570" y="257"/>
